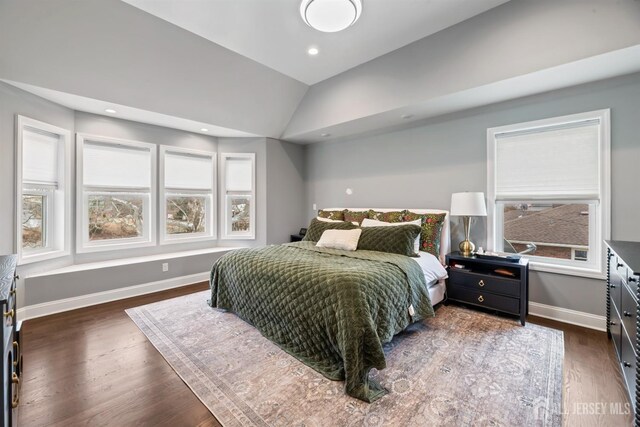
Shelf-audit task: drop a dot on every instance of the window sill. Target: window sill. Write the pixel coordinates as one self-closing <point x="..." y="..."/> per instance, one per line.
<point x="192" y="239"/>
<point x="128" y="261"/>
<point x="42" y="256"/>
<point x="567" y="270"/>
<point x="113" y="246"/>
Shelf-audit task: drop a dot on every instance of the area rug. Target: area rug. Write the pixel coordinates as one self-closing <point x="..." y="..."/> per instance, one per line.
<point x="461" y="368"/>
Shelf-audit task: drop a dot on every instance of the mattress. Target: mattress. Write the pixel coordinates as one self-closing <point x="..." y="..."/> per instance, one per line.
<point x="434" y="274"/>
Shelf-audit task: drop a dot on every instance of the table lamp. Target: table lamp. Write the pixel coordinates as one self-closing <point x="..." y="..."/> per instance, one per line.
<point x="467" y="205"/>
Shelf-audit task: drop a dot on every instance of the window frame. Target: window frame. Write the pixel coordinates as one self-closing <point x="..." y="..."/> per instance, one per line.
<point x="211" y="195"/>
<point x="599" y="217"/>
<point x="148" y="238"/>
<point x="227" y="234"/>
<point x="56" y="215"/>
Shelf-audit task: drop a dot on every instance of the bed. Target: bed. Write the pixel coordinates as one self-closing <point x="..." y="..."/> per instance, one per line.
<point x="331" y="309"/>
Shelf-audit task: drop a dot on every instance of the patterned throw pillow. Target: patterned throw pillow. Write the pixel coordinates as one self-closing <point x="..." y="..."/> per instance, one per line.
<point x="431" y="230"/>
<point x="395" y="216"/>
<point x="355" y="216"/>
<point x="394" y="240"/>
<point x="317" y="227"/>
<point x="339" y="215"/>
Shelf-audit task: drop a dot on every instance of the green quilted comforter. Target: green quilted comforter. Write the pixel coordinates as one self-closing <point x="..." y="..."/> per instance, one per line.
<point x="329" y="308"/>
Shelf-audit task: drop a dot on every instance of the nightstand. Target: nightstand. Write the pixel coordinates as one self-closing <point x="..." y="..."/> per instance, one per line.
<point x="478" y="284"/>
<point x="296" y="237"/>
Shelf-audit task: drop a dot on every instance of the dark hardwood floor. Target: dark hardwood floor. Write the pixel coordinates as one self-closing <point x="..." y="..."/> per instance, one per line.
<point x="94" y="367"/>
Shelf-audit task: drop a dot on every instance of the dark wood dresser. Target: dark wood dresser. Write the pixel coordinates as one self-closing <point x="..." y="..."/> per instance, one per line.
<point x="12" y="360"/>
<point x="623" y="274"/>
<point x="475" y="281"/>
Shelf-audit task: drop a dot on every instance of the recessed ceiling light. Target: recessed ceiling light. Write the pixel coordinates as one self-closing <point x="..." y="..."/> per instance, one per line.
<point x="406" y="116"/>
<point x="204" y="130"/>
<point x="330" y="16"/>
<point x="110" y="111"/>
<point x="313" y="51"/>
<point x="325" y="135"/>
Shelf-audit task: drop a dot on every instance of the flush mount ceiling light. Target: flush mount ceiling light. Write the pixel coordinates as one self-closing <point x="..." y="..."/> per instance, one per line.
<point x="330" y="16"/>
<point x="313" y="51"/>
<point x="110" y="111"/>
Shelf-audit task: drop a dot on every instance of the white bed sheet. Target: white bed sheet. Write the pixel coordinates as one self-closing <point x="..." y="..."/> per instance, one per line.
<point x="434" y="274"/>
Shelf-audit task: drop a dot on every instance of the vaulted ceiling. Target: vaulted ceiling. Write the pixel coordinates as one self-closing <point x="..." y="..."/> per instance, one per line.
<point x="241" y="69"/>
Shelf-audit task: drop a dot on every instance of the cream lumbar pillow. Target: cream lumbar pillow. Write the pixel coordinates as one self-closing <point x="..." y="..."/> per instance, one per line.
<point x="319" y="218"/>
<point x="340" y="239"/>
<point x="375" y="223"/>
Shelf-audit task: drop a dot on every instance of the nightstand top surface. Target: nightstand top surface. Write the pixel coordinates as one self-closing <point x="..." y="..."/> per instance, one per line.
<point x="458" y="256"/>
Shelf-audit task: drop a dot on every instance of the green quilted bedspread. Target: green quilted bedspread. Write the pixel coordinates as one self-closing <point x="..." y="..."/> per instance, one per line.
<point x="331" y="309"/>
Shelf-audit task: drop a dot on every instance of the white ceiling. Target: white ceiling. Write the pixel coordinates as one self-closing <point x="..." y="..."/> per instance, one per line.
<point x="272" y="32"/>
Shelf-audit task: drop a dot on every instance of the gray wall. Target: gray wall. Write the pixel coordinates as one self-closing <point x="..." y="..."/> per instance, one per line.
<point x="421" y="167"/>
<point x="285" y="188"/>
<point x="112" y="51"/>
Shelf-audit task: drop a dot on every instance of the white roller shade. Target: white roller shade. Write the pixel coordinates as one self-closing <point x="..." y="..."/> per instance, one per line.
<point x="40" y="157"/>
<point x="188" y="171"/>
<point x="116" y="165"/>
<point x="562" y="163"/>
<point x="239" y="174"/>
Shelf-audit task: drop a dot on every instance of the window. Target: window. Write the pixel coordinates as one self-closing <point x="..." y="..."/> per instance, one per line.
<point x="43" y="179"/>
<point x="116" y="193"/>
<point x="549" y="191"/>
<point x="238" y="183"/>
<point x="187" y="195"/>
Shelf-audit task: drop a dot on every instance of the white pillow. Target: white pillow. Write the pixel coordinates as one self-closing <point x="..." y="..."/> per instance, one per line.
<point x="327" y="219"/>
<point x="340" y="239"/>
<point x="375" y="223"/>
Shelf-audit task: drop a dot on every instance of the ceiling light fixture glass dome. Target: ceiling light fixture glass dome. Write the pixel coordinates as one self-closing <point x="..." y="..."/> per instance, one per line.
<point x="330" y="16"/>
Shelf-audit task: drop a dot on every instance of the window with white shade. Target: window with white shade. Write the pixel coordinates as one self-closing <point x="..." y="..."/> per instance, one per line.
<point x="43" y="181"/>
<point x="116" y="193"/>
<point x="549" y="191"/>
<point x="187" y="194"/>
<point x="238" y="184"/>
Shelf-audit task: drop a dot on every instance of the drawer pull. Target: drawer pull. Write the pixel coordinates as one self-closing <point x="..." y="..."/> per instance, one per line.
<point x="620" y="265"/>
<point x="9" y="313"/>
<point x="16" y="399"/>
<point x="16" y="353"/>
<point x="612" y="323"/>
<point x="632" y="279"/>
<point x="612" y="286"/>
<point x="626" y="314"/>
<point x="481" y="283"/>
<point x="626" y="364"/>
<point x="481" y="298"/>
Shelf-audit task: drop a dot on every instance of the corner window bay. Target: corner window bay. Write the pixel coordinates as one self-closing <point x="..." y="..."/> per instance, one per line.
<point x="549" y="192"/>
<point x="116" y="193"/>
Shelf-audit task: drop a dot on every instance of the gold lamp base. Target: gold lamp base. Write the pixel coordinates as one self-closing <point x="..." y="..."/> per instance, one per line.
<point x="467" y="248"/>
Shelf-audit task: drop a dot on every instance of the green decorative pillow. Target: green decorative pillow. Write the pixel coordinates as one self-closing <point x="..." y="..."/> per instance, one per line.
<point x="335" y="215"/>
<point x="395" y="216"/>
<point x="317" y="227"/>
<point x="355" y="216"/>
<point x="431" y="230"/>
<point x="396" y="240"/>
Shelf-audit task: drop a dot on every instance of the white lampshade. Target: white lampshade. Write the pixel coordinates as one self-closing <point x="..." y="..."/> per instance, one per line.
<point x="468" y="204"/>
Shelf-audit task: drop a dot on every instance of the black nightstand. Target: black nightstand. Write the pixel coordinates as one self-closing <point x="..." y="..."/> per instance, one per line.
<point x="296" y="237"/>
<point x="478" y="284"/>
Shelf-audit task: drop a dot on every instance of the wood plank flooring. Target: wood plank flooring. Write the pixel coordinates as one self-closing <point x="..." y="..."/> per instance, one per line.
<point x="94" y="367"/>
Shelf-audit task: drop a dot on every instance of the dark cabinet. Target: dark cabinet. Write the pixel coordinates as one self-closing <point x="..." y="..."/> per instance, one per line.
<point x="12" y="359"/>
<point x="493" y="284"/>
<point x="623" y="273"/>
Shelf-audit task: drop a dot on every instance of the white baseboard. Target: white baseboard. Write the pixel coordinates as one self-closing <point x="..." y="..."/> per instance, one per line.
<point x="565" y="315"/>
<point x="58" y="306"/>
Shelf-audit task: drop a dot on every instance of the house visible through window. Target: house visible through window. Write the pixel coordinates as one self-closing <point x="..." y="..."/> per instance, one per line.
<point x="115" y="193"/>
<point x="187" y="210"/>
<point x="548" y="190"/>
<point x="43" y="193"/>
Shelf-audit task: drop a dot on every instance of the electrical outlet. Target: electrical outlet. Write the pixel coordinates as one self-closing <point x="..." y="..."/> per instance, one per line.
<point x="165" y="266"/>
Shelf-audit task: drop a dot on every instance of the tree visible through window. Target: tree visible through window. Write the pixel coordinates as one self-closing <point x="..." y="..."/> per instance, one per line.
<point x="186" y="214"/>
<point x="115" y="217"/>
<point x="33" y="233"/>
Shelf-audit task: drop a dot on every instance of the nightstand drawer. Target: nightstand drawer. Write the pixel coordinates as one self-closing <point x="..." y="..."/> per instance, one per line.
<point x="486" y="283"/>
<point x="484" y="299"/>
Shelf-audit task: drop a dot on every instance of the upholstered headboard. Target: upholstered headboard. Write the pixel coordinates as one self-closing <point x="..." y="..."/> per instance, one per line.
<point x="445" y="238"/>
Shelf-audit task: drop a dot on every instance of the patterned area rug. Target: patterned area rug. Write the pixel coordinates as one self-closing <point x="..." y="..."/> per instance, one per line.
<point x="462" y="368"/>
